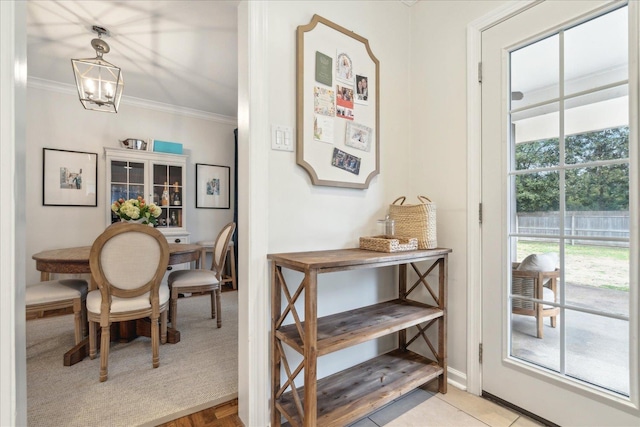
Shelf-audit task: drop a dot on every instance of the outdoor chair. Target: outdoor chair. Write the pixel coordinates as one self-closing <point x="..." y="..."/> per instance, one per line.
<point x="536" y="277"/>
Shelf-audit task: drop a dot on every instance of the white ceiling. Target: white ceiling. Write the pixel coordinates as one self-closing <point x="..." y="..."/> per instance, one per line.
<point x="182" y="53"/>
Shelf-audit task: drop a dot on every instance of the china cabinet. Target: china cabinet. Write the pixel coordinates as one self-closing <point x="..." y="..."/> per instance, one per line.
<point x="341" y="398"/>
<point x="157" y="177"/>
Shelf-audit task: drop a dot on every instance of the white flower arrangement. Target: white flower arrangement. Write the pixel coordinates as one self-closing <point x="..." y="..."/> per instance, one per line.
<point x="136" y="209"/>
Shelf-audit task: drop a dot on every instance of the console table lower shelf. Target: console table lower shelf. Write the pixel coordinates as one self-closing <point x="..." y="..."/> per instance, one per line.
<point x="361" y="389"/>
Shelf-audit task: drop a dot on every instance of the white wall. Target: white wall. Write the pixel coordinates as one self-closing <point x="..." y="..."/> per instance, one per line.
<point x="423" y="71"/>
<point x="306" y="217"/>
<point x="58" y="120"/>
<point x="439" y="141"/>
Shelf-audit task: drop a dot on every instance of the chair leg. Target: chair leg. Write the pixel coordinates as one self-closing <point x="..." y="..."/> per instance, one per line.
<point x="92" y="339"/>
<point x="163" y="327"/>
<point x="539" y="320"/>
<point x="77" y="319"/>
<point x="155" y="332"/>
<point x="85" y="323"/>
<point x="173" y="308"/>
<point x="218" y="309"/>
<point x="554" y="289"/>
<point x="540" y="326"/>
<point x="213" y="304"/>
<point x="104" y="351"/>
<point x="232" y="264"/>
<point x="538" y="294"/>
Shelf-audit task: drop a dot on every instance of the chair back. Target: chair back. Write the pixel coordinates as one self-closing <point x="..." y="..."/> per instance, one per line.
<point x="128" y="260"/>
<point x="220" y="248"/>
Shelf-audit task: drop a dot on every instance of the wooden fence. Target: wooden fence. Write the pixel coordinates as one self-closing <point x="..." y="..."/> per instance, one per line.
<point x="599" y="224"/>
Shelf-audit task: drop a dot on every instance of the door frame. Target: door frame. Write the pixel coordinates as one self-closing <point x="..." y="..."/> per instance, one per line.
<point x="253" y="120"/>
<point x="474" y="141"/>
<point x="13" y="83"/>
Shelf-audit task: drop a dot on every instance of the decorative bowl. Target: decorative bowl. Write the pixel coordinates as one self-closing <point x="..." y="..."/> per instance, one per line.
<point x="134" y="144"/>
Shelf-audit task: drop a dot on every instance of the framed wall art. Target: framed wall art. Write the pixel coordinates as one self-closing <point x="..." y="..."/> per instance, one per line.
<point x="69" y="178"/>
<point x="338" y="108"/>
<point x="212" y="186"/>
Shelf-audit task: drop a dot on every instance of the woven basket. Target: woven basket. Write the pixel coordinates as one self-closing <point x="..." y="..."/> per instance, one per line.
<point x="417" y="221"/>
<point x="388" y="244"/>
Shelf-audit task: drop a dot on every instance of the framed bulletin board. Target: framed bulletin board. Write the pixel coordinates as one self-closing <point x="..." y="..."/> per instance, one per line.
<point x="338" y="107"/>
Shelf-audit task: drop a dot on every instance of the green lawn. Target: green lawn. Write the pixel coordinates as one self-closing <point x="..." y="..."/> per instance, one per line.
<point x="598" y="266"/>
<point x="525" y="248"/>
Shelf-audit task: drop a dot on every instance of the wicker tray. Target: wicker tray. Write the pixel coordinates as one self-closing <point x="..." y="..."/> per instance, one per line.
<point x="388" y="243"/>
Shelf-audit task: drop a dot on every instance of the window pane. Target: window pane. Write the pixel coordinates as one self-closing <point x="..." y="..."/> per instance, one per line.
<point x="598" y="350"/>
<point x="136" y="191"/>
<point x="607" y="144"/>
<point x="118" y="171"/>
<point x="536" y="342"/>
<point x="527" y="346"/>
<point x="537" y="203"/>
<point x="136" y="173"/>
<point x="597" y="278"/>
<point x="534" y="73"/>
<point x="601" y="188"/>
<point x="604" y="38"/>
<point x="535" y="132"/>
<point x="537" y="154"/>
<point x="597" y="126"/>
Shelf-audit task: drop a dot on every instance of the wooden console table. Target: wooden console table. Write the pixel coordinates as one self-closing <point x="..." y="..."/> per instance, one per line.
<point x="344" y="397"/>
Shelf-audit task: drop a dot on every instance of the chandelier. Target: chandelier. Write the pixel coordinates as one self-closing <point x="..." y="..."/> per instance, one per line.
<point x="99" y="82"/>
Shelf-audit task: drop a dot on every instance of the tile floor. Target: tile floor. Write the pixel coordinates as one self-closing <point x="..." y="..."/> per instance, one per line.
<point x="425" y="407"/>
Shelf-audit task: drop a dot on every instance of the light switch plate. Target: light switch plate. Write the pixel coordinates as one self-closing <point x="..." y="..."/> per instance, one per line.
<point x="281" y="138"/>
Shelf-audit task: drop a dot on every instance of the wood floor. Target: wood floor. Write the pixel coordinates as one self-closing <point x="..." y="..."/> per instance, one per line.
<point x="223" y="415"/>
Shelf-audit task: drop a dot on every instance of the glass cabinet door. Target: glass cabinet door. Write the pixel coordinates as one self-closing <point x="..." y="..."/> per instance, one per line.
<point x="127" y="181"/>
<point x="168" y="194"/>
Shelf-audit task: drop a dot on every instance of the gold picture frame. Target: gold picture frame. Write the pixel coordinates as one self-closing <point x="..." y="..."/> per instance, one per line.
<point x="331" y="102"/>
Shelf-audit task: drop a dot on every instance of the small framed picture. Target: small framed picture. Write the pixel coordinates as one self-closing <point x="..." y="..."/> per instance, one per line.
<point x="69" y="178"/>
<point x="346" y="161"/>
<point x="212" y="186"/>
<point x="362" y="90"/>
<point x="358" y="136"/>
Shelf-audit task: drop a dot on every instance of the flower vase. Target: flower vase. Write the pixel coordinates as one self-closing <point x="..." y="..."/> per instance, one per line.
<point x="142" y="221"/>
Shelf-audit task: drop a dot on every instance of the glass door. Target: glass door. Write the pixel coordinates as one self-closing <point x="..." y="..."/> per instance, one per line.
<point x="168" y="192"/>
<point x="569" y="190"/>
<point x="127" y="181"/>
<point x="557" y="239"/>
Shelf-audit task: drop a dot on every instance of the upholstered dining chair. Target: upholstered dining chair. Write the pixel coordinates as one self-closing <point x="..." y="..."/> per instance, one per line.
<point x="536" y="277"/>
<point x="201" y="280"/>
<point x="60" y="294"/>
<point x="128" y="262"/>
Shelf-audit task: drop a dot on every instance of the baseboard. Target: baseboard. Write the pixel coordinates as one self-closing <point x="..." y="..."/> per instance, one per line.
<point x="191" y="410"/>
<point x="456" y="378"/>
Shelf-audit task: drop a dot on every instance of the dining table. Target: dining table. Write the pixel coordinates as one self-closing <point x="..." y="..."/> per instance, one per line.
<point x="75" y="260"/>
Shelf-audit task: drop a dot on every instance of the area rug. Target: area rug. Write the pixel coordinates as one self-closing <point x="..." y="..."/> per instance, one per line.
<point x="198" y="372"/>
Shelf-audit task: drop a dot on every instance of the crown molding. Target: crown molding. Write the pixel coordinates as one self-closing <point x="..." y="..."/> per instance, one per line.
<point x="49" y="85"/>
